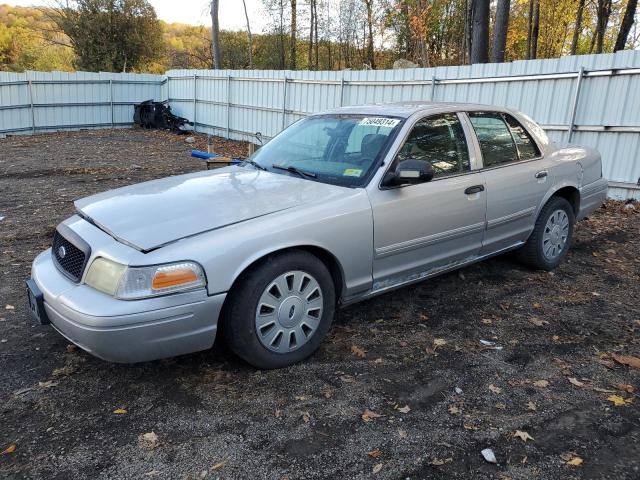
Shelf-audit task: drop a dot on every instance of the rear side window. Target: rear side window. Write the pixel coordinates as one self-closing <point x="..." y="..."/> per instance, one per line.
<point x="527" y="148"/>
<point x="496" y="142"/>
<point x="440" y="141"/>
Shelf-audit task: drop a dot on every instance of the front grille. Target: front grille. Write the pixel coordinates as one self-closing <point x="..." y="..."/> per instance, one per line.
<point x="70" y="259"/>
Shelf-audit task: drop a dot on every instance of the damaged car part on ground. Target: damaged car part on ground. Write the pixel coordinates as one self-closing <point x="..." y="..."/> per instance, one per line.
<point x="444" y="185"/>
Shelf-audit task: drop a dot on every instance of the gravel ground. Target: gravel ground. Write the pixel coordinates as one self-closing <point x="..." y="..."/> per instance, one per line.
<point x="402" y="387"/>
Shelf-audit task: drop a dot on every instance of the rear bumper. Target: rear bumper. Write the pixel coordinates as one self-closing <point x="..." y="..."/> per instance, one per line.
<point x="126" y="331"/>
<point x="592" y="196"/>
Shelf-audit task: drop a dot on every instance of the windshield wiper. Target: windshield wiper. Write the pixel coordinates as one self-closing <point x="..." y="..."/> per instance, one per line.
<point x="296" y="170"/>
<point x="255" y="164"/>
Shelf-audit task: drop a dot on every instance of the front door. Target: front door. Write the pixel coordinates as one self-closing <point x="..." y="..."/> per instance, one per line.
<point x="421" y="229"/>
<point x="516" y="176"/>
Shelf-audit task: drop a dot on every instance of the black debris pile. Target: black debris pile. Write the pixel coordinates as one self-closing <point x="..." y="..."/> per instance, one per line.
<point x="150" y="114"/>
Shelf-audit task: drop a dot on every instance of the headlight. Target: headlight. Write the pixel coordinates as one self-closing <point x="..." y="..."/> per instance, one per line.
<point x="130" y="283"/>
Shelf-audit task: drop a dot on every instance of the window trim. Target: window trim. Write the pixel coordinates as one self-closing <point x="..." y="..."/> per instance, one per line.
<point x="467" y="129"/>
<point x="482" y="167"/>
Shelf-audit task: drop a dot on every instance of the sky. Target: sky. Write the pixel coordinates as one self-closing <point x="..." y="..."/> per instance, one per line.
<point x="194" y="12"/>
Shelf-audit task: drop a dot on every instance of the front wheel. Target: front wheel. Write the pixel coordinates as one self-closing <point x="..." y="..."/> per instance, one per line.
<point x="280" y="310"/>
<point x="549" y="242"/>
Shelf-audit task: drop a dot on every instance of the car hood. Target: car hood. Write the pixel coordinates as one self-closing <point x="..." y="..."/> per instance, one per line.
<point x="151" y="214"/>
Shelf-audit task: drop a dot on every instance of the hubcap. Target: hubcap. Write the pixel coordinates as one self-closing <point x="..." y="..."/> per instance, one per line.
<point x="556" y="233"/>
<point x="289" y="311"/>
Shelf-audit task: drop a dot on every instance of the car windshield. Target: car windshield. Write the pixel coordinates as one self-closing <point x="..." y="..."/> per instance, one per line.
<point x="337" y="149"/>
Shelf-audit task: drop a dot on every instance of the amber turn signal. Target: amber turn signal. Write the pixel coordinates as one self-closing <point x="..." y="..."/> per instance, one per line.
<point x="174" y="277"/>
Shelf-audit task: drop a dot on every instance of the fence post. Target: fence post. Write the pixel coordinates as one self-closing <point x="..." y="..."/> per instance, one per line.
<point x="111" y="99"/>
<point x="33" y="115"/>
<point x="433" y="87"/>
<point x="574" y="107"/>
<point x="228" y="106"/>
<point x="195" y="101"/>
<point x="284" y="101"/>
<point x="342" y="90"/>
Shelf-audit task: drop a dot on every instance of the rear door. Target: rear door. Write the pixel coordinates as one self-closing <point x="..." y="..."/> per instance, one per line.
<point x="419" y="229"/>
<point x="516" y="175"/>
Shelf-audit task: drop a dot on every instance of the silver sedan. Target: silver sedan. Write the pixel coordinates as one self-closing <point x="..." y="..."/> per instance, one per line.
<point x="339" y="207"/>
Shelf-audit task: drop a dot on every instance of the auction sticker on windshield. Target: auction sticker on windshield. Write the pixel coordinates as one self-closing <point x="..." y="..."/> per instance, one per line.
<point x="352" y="172"/>
<point x="379" y="122"/>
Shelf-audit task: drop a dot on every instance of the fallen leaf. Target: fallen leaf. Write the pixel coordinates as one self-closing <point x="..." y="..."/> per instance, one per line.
<point x="541" y="383"/>
<point x="603" y="390"/>
<point x="378" y="360"/>
<point x="575" y="381"/>
<point x="374" y="453"/>
<point x="495" y="389"/>
<point x="630" y="361"/>
<point x="537" y="306"/>
<point x="531" y="406"/>
<point x="10" y="449"/>
<point x="377" y="468"/>
<point x="575" y="461"/>
<point x="405" y="409"/>
<point x="306" y="417"/>
<point x="149" y="440"/>
<point x="537" y="322"/>
<point x="555" y="338"/>
<point x="625" y="388"/>
<point x="71" y="348"/>
<point x="618" y="401"/>
<point x="402" y="433"/>
<point x="347" y="378"/>
<point x="358" y="352"/>
<point x="278" y="413"/>
<point x="119" y="411"/>
<point x="454" y="410"/>
<point x="369" y="416"/>
<point x="439" y="342"/>
<point x="440" y="461"/>
<point x="219" y="465"/>
<point x="468" y="426"/>
<point x="524" y="436"/>
<point x="487" y="321"/>
<point x="47" y="384"/>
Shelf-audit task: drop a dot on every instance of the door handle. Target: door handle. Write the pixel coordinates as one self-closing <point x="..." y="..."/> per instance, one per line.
<point x="542" y="174"/>
<point x="474" y="189"/>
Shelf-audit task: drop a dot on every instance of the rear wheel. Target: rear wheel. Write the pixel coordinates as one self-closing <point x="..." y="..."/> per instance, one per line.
<point x="280" y="310"/>
<point x="549" y="242"/>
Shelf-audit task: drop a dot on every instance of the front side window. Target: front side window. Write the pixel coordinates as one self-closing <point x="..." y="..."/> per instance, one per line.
<point x="337" y="149"/>
<point x="496" y="142"/>
<point x="439" y="140"/>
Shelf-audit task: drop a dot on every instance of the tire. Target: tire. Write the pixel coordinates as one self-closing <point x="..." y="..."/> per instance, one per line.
<point x="545" y="249"/>
<point x="302" y="314"/>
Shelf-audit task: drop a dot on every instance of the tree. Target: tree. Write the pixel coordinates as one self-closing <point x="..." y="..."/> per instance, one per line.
<point x="500" y="30"/>
<point x="370" y="53"/>
<point x="294" y="16"/>
<point x="577" y="27"/>
<point x="534" y="29"/>
<point x="480" y="32"/>
<point x="602" y="19"/>
<point x="625" y="26"/>
<point x="246" y="15"/>
<point x="110" y="35"/>
<point x="215" y="35"/>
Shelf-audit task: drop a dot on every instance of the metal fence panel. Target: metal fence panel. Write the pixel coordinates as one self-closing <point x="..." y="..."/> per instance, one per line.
<point x="239" y="103"/>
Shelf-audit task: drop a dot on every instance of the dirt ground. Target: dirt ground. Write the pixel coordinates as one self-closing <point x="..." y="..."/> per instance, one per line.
<point x="402" y="388"/>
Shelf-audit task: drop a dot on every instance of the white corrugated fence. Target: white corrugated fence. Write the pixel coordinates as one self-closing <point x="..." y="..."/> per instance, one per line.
<point x="591" y="99"/>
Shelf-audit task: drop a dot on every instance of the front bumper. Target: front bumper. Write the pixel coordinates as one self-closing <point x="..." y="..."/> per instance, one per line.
<point x="126" y="331"/>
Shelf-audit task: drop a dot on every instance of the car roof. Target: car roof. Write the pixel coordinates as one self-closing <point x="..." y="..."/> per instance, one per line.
<point x="406" y="109"/>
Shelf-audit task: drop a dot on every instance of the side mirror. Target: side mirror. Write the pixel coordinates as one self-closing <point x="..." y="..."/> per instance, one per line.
<point x="409" y="172"/>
